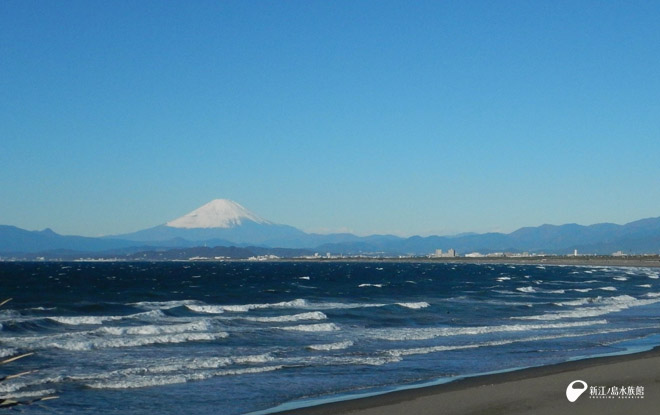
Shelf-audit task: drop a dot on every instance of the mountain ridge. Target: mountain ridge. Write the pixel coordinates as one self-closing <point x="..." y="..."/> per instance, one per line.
<point x="223" y="222"/>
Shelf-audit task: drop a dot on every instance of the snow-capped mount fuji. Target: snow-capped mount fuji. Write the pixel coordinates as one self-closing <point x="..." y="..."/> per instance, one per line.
<point x="218" y="213"/>
<point x="221" y="221"/>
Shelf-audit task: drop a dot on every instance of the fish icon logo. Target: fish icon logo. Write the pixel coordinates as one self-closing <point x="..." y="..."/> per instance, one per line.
<point x="575" y="389"/>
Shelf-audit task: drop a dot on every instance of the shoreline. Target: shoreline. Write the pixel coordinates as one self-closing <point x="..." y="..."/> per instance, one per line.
<point x="596" y="261"/>
<point x="536" y="390"/>
<point x="640" y="261"/>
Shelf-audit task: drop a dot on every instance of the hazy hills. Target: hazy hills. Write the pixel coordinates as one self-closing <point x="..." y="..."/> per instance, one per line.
<point x="226" y="223"/>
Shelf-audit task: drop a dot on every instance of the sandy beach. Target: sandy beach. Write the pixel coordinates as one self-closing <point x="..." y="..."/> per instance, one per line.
<point x="528" y="391"/>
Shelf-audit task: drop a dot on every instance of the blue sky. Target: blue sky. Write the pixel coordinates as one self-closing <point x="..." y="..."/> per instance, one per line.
<point x="368" y="116"/>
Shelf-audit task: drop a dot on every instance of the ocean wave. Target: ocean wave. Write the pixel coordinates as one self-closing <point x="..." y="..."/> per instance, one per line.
<point x="406" y="334"/>
<point x="607" y="288"/>
<point x="90" y="340"/>
<point x="153" y="329"/>
<point x="435" y="349"/>
<point x="414" y="306"/>
<point x="83" y="320"/>
<point x="7" y="352"/>
<point x="312" y="327"/>
<point x="526" y="289"/>
<point x="242" y="308"/>
<point x="98" y="320"/>
<point x="132" y="382"/>
<point x="313" y="315"/>
<point x="620" y="278"/>
<point x="208" y="309"/>
<point x="331" y="346"/>
<point x="163" y="305"/>
<point x="29" y="394"/>
<point x="644" y="285"/>
<point x="370" y="285"/>
<point x="602" y="306"/>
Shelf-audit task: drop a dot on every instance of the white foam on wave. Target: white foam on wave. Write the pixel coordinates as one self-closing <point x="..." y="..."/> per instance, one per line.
<point x="132" y="382"/>
<point x="163" y="305"/>
<point x="333" y="360"/>
<point x="154" y="329"/>
<point x="435" y="349"/>
<point x="601" y="306"/>
<point x="313" y="315"/>
<point x="370" y="285"/>
<point x="652" y="295"/>
<point x="94" y="339"/>
<point x="582" y="290"/>
<point x="208" y="309"/>
<point x="620" y="278"/>
<point x="29" y="394"/>
<point x="137" y="341"/>
<point x="644" y="285"/>
<point x="503" y="279"/>
<point x="84" y="320"/>
<point x="526" y="289"/>
<point x="295" y="304"/>
<point x="98" y="320"/>
<point x="607" y="288"/>
<point x="406" y="334"/>
<point x="312" y="327"/>
<point x="415" y="306"/>
<point x="7" y="352"/>
<point x="243" y="308"/>
<point x="331" y="346"/>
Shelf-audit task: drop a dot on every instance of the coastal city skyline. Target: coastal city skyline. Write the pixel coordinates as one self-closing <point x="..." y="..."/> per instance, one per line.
<point x="432" y="118"/>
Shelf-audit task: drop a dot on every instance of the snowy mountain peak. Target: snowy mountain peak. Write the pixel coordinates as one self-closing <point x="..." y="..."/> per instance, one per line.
<point x="219" y="213"/>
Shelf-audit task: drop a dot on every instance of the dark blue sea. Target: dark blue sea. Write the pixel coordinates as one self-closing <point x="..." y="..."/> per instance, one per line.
<point x="242" y="337"/>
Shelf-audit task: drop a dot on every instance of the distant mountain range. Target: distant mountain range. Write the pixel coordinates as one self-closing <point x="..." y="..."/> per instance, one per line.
<point x="225" y="223"/>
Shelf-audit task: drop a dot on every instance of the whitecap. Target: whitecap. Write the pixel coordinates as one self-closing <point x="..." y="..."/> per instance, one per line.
<point x="314" y="315"/>
<point x="370" y="285"/>
<point x="414" y="306"/>
<point x="203" y="325"/>
<point x="331" y="346"/>
<point x="312" y="327"/>
<point x="209" y="309"/>
<point x="405" y="334"/>
<point x="147" y="381"/>
<point x="601" y="307"/>
<point x="607" y="288"/>
<point x="29" y="394"/>
<point x="163" y="305"/>
<point x="435" y="349"/>
<point x="526" y="289"/>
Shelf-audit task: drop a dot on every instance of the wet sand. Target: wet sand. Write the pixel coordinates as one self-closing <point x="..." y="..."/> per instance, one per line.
<point x="539" y="390"/>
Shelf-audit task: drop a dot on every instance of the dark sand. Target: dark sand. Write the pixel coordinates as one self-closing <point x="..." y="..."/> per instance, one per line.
<point x="528" y="391"/>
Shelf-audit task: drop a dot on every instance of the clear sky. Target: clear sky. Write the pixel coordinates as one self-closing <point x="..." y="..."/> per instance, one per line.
<point x="405" y="117"/>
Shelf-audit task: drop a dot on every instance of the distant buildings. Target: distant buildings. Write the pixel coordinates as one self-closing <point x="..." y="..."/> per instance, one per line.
<point x="439" y="254"/>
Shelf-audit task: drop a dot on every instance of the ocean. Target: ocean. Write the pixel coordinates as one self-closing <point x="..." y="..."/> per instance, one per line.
<point x="248" y="337"/>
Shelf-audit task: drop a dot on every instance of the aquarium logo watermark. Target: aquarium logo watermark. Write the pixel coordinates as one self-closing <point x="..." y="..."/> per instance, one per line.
<point x="576" y="388"/>
<point x="616" y="392"/>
